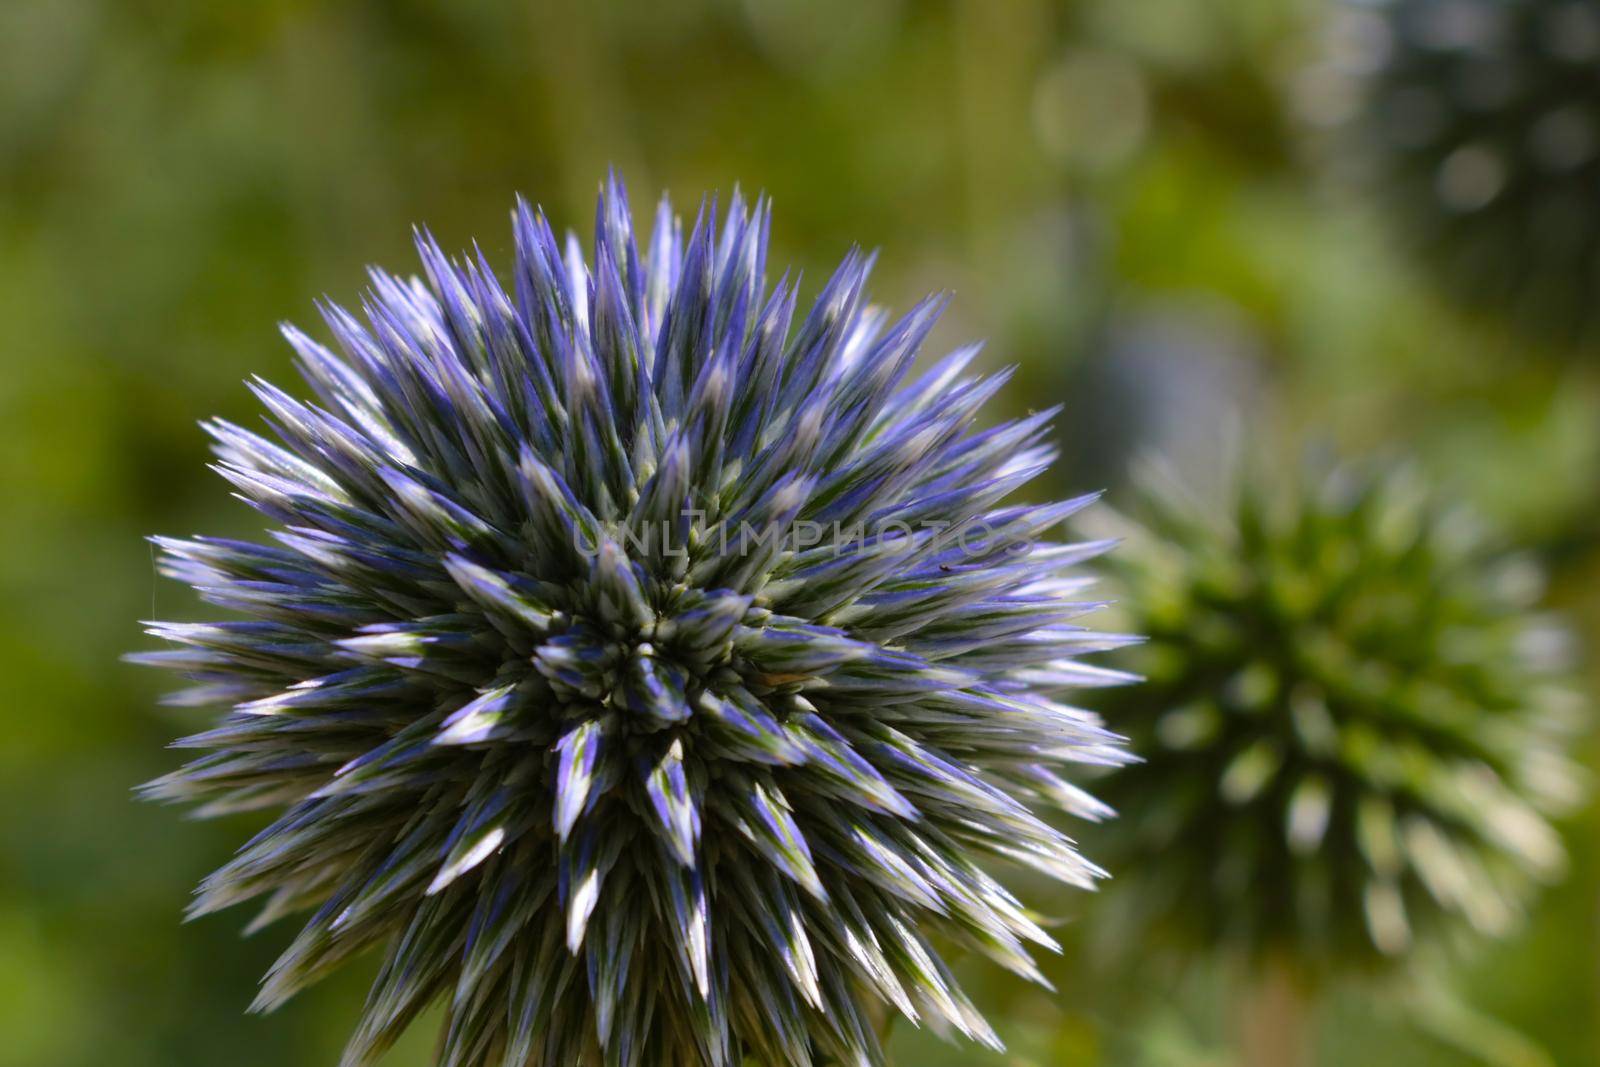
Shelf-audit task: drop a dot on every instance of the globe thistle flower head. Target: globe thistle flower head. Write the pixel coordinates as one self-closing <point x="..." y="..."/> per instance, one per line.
<point x="1483" y="118"/>
<point x="1351" y="725"/>
<point x="628" y="663"/>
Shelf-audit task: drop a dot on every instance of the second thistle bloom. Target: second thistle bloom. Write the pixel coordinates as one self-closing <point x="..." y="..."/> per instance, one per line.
<point x="1353" y="723"/>
<point x="566" y="716"/>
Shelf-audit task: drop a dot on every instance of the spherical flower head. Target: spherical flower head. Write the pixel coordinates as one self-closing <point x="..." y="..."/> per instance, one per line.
<point x="1351" y="727"/>
<point x="654" y="680"/>
<point x="1484" y="120"/>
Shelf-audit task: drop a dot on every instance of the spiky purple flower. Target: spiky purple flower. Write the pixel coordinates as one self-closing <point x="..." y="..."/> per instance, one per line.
<point x="574" y="709"/>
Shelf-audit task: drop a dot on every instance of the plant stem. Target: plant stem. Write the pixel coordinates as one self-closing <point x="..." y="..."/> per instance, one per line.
<point x="1272" y="1020"/>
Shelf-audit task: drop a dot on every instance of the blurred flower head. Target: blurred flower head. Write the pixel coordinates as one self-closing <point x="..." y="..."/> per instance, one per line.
<point x="1352" y="724"/>
<point x="1483" y="120"/>
<point x="631" y="664"/>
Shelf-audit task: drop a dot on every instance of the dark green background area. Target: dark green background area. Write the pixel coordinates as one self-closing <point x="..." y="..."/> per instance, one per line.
<point x="1124" y="196"/>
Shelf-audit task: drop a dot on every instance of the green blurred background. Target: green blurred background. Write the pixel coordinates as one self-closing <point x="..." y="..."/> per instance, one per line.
<point x="1130" y="198"/>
